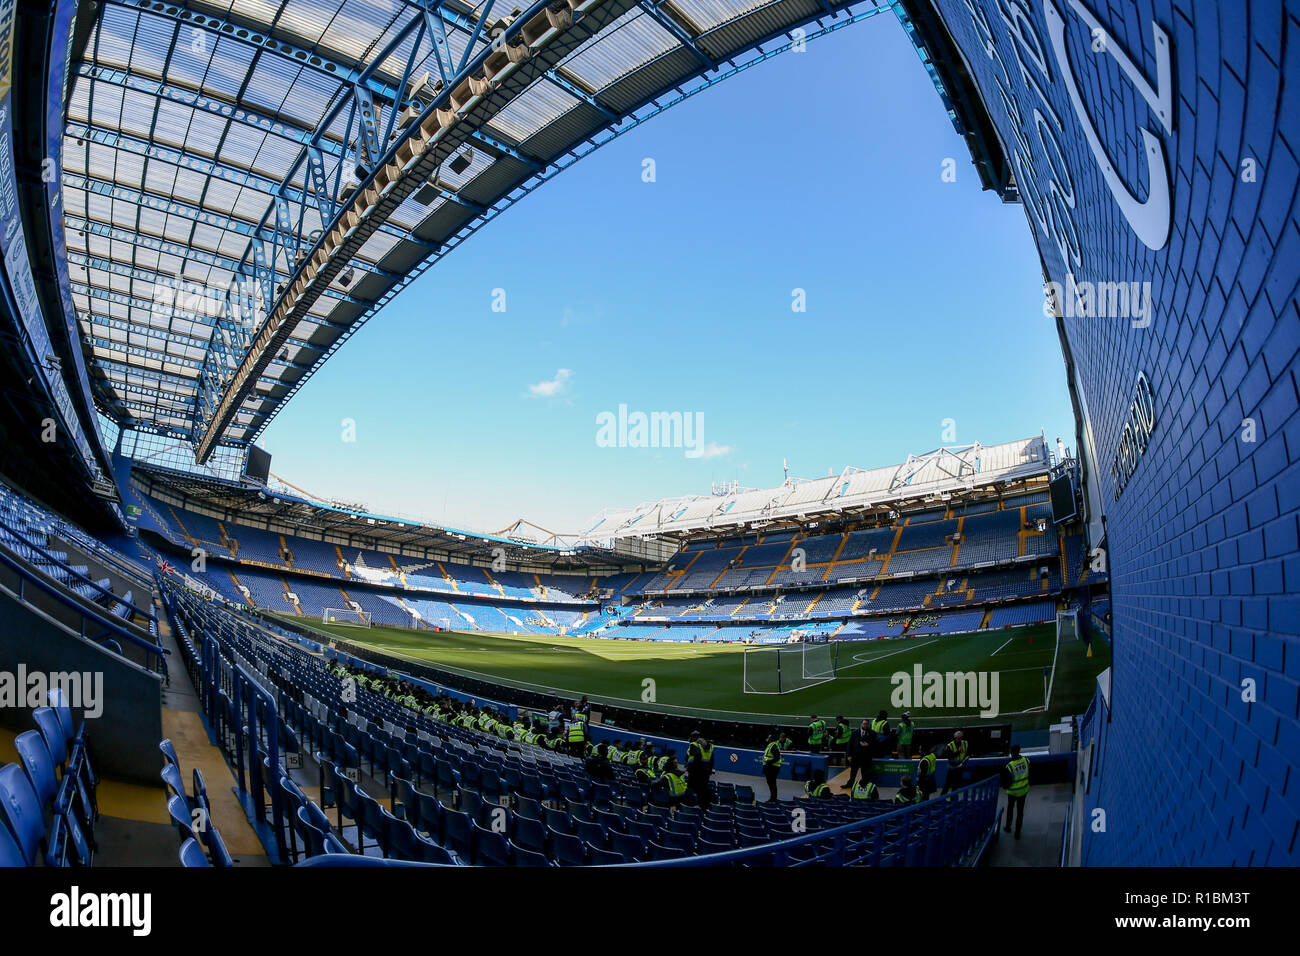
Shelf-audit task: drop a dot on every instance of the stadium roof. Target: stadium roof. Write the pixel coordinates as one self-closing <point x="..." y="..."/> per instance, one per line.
<point x="930" y="477"/>
<point x="279" y="510"/>
<point x="246" y="183"/>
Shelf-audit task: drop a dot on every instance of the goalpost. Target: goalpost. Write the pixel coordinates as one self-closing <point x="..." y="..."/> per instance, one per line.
<point x="785" y="668"/>
<point x="352" y="617"/>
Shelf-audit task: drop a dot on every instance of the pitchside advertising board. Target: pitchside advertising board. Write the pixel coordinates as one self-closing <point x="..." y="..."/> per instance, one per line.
<point x="1152" y="144"/>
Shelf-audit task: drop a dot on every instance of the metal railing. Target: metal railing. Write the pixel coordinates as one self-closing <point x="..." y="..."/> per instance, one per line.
<point x="944" y="831"/>
<point x="89" y="611"/>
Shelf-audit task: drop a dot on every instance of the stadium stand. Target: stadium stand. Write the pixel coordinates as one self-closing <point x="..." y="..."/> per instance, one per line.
<point x="451" y="783"/>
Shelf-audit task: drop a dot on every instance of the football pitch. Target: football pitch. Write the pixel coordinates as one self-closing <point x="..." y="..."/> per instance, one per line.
<point x="707" y="680"/>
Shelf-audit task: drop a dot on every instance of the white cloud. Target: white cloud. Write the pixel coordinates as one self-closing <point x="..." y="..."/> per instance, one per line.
<point x="714" y="450"/>
<point x="552" y="387"/>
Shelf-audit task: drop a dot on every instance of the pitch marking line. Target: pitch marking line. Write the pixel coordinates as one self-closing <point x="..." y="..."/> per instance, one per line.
<point x="871" y="660"/>
<point x="1008" y="641"/>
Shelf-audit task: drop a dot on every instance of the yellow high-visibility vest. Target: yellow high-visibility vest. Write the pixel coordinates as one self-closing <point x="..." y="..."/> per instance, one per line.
<point x="1019" y="770"/>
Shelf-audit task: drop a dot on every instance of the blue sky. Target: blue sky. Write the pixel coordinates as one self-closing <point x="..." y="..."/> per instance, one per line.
<point x="817" y="171"/>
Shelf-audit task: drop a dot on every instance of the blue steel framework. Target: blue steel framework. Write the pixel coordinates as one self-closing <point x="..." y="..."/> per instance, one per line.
<point x="214" y="154"/>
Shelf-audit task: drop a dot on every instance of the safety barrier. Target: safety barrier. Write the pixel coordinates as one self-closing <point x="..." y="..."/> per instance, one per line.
<point x="112" y="628"/>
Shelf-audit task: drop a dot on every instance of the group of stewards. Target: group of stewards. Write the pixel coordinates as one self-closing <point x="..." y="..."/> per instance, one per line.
<point x="563" y="730"/>
<point x="874" y="738"/>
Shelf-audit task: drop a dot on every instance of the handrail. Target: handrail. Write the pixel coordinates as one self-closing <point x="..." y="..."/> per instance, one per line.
<point x="95" y="584"/>
<point x="1066" y="832"/>
<point x="86" y="542"/>
<point x="107" y="620"/>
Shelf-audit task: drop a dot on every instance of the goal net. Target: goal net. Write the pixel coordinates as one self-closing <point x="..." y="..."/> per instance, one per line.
<point x="346" y="615"/>
<point x="1067" y="625"/>
<point x="784" y="669"/>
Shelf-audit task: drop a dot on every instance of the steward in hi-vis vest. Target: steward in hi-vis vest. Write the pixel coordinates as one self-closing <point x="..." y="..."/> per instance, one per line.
<point x="906" y="794"/>
<point x="699" y="768"/>
<point x="771" y="766"/>
<point x="864" y="790"/>
<point x="957" y="753"/>
<point x="925" y="775"/>
<point x="1015" y="777"/>
<point x="817" y="786"/>
<point x="816" y="734"/>
<point x="906" y="730"/>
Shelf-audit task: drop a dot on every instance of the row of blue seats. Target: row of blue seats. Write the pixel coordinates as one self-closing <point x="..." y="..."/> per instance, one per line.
<point x="47" y="801"/>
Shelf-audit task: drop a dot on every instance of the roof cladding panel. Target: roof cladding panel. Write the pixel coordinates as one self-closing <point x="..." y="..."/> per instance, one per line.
<point x="191" y="118"/>
<point x="633" y="40"/>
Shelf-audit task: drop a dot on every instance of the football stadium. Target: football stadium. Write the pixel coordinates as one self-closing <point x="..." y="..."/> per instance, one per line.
<point x="1074" y="649"/>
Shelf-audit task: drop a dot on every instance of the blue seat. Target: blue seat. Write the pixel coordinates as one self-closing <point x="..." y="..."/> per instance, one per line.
<point x="66" y="842"/>
<point x="192" y="854"/>
<point x="399" y="837"/>
<point x="216" y="847"/>
<point x="567" y="849"/>
<point x="40" y="769"/>
<point x="526" y="857"/>
<point x="643" y="831"/>
<point x="457" y="833"/>
<point x="345" y="795"/>
<point x="429" y="819"/>
<point x="592" y="834"/>
<point x="169" y="751"/>
<point x="529" y="834"/>
<point x="11" y="855"/>
<point x="200" y="788"/>
<point x="180" y="814"/>
<point x="490" y="847"/>
<point x="557" y="820"/>
<point x="312" y="832"/>
<point x="627" y="845"/>
<point x="676" y="841"/>
<point x="598" y="857"/>
<point x="659" y="851"/>
<point x="171" y="775"/>
<point x="528" y="807"/>
<point x="427" y="851"/>
<point x="20" y="810"/>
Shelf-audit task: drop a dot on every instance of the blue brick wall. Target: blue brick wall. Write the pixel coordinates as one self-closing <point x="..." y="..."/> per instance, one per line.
<point x="1203" y="541"/>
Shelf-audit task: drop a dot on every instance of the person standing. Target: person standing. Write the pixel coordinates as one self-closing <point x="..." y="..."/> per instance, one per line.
<point x="699" y="768"/>
<point x="1016" y="777"/>
<point x="816" y="734"/>
<point x="771" y="766"/>
<point x="925" y="781"/>
<point x="842" y="735"/>
<point x="880" y="727"/>
<point x="957" y="752"/>
<point x="859" y="753"/>
<point x="577" y="735"/>
<point x="906" y="730"/>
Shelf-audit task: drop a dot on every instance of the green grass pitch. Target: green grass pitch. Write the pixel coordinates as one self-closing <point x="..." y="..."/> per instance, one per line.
<point x="706" y="680"/>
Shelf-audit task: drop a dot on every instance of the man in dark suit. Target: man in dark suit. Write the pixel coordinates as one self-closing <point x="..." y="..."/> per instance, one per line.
<point x="861" y="742"/>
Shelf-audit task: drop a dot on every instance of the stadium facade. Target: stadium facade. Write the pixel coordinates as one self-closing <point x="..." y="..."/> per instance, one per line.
<point x="1154" y="148"/>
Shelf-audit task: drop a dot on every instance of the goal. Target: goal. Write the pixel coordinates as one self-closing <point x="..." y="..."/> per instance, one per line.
<point x="783" y="669"/>
<point x="346" y="615"/>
